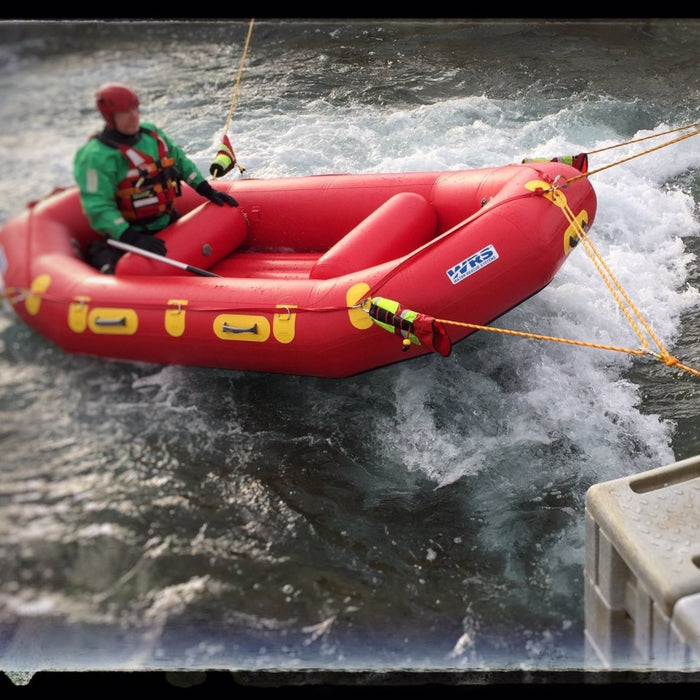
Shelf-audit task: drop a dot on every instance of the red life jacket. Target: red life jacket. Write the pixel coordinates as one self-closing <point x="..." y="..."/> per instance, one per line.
<point x="150" y="187"/>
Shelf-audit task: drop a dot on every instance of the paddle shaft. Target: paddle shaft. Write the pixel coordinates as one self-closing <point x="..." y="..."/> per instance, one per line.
<point x="161" y="258"/>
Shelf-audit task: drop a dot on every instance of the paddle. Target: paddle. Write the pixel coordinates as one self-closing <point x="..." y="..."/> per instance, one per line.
<point x="155" y="256"/>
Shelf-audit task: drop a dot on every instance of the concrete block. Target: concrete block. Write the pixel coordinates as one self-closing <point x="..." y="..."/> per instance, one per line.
<point x="642" y="568"/>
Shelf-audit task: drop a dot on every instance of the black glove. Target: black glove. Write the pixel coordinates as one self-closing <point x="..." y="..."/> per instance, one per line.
<point x="145" y="241"/>
<point x="220" y="198"/>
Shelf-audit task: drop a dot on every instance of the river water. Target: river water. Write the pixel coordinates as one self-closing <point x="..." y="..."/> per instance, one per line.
<point x="427" y="516"/>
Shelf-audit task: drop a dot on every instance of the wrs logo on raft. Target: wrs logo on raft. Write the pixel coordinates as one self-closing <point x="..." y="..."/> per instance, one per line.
<point x="472" y="264"/>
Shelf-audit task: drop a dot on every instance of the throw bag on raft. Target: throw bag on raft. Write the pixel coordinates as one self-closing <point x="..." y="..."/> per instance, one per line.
<point x="414" y="327"/>
<point x="225" y="159"/>
<point x="579" y="161"/>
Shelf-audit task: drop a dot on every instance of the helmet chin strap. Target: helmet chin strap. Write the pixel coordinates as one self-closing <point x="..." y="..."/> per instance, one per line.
<point x="116" y="135"/>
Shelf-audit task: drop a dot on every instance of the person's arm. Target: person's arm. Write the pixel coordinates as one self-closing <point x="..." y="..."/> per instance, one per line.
<point x="98" y="169"/>
<point x="192" y="175"/>
<point x="188" y="170"/>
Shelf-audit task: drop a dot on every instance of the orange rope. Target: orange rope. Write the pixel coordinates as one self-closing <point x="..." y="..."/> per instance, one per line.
<point x="615" y="289"/>
<point x="638" y="155"/>
<point x="645" y="138"/>
<point x="238" y="78"/>
<point x="14" y="295"/>
<point x="610" y="281"/>
<point x="664" y="357"/>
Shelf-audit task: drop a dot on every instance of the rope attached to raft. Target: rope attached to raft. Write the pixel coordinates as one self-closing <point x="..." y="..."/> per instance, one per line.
<point x="628" y="308"/>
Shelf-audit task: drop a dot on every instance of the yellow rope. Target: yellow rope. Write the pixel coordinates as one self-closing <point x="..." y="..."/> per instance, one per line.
<point x="613" y="284"/>
<point x="238" y="79"/>
<point x="224" y="167"/>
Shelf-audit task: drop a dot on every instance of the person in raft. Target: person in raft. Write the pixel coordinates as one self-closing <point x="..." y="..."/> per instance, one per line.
<point x="129" y="179"/>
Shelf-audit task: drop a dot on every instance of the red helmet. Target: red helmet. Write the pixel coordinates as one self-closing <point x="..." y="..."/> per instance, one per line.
<point x="113" y="97"/>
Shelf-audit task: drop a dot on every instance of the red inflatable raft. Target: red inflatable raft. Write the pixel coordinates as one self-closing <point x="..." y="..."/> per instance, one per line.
<point x="326" y="275"/>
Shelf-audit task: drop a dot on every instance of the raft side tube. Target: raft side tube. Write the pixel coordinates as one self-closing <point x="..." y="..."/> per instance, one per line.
<point x="201" y="238"/>
<point x="459" y="195"/>
<point x="14" y="256"/>
<point x="400" y="225"/>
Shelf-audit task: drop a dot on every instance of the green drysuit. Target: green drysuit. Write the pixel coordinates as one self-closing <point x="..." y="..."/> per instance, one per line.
<point x="99" y="168"/>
